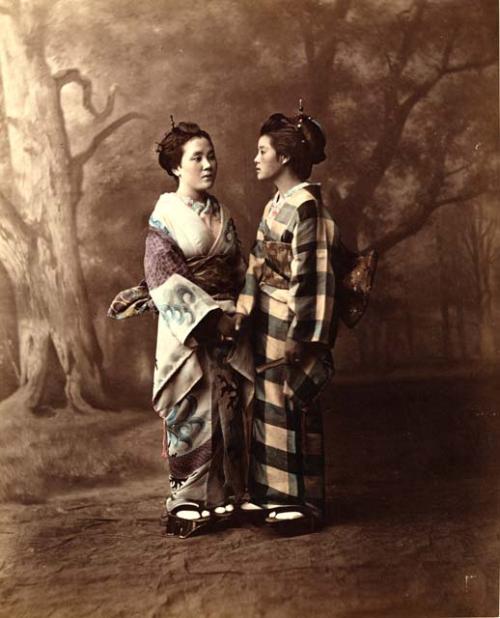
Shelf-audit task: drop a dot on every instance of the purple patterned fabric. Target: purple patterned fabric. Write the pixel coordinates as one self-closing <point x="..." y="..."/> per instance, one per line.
<point x="162" y="259"/>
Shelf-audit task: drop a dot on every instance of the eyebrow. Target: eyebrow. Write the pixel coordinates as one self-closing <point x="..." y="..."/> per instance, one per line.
<point x="200" y="152"/>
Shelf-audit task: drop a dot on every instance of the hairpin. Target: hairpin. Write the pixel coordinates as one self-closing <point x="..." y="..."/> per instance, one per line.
<point x="301" y="113"/>
<point x="172" y="121"/>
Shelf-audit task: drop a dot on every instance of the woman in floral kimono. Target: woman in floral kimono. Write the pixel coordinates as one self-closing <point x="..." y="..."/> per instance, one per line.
<point x="194" y="271"/>
<point x="289" y="295"/>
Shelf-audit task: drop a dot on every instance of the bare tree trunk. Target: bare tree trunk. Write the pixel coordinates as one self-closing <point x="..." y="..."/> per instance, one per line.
<point x="51" y="298"/>
<point x="444" y="301"/>
<point x="487" y="344"/>
<point x="462" y="333"/>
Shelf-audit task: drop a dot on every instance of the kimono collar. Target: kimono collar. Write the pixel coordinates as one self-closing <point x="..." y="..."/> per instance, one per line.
<point x="209" y="207"/>
<point x="278" y="197"/>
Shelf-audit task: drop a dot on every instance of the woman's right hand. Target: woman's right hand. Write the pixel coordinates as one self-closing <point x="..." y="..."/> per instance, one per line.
<point x="226" y="326"/>
<point x="239" y="319"/>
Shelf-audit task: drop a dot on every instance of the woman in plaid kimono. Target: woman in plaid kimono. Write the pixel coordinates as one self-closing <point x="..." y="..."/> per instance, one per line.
<point x="289" y="296"/>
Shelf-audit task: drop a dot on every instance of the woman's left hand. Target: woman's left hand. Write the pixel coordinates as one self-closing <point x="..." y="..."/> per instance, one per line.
<point x="294" y="352"/>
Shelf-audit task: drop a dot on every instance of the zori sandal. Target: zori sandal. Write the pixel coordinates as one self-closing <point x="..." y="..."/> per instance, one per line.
<point x="255" y="513"/>
<point x="224" y="511"/>
<point x="292" y="519"/>
<point x="186" y="519"/>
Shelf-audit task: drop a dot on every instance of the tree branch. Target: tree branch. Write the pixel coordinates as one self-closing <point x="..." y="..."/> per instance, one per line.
<point x="458" y="170"/>
<point x="473" y="65"/>
<point x="410" y="31"/>
<point x="396" y="114"/>
<point x="424" y="88"/>
<point x="415" y="223"/>
<point x="81" y="158"/>
<point x="463" y="197"/>
<point x="69" y="76"/>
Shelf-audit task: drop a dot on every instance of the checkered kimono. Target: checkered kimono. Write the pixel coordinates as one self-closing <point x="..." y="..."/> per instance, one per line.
<point x="289" y="293"/>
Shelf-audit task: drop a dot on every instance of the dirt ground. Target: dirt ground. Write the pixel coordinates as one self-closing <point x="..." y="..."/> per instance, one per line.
<point x="412" y="528"/>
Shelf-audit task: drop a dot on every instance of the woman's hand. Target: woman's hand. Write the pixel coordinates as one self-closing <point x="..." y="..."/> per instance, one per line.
<point x="298" y="351"/>
<point x="295" y="352"/>
<point x="226" y="326"/>
<point x="239" y="319"/>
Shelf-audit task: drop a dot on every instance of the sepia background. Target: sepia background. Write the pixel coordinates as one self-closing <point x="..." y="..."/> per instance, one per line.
<point x="407" y="92"/>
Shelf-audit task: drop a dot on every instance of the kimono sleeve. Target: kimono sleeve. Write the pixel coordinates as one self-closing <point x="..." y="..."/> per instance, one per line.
<point x="312" y="283"/>
<point x="180" y="302"/>
<point x="250" y="290"/>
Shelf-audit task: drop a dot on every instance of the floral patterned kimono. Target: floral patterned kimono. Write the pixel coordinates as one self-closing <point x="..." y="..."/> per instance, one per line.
<point x="289" y="292"/>
<point x="193" y="269"/>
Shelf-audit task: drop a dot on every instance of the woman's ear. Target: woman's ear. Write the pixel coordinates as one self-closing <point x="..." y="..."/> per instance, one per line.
<point x="176" y="172"/>
<point x="283" y="159"/>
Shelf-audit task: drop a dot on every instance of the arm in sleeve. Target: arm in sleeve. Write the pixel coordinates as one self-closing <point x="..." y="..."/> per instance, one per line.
<point x="180" y="302"/>
<point x="250" y="290"/>
<point x="312" y="283"/>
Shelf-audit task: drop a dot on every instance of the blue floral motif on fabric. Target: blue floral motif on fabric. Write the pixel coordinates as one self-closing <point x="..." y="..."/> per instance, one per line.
<point x="179" y="312"/>
<point x="157" y="224"/>
<point x="176" y="313"/>
<point x="182" y="424"/>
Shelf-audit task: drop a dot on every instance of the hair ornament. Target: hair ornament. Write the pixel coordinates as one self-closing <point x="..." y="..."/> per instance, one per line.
<point x="172" y="122"/>
<point x="300" y="119"/>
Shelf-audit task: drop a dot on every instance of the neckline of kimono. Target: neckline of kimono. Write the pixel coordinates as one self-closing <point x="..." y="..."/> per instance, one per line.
<point x="220" y="214"/>
<point x="278" y="197"/>
<point x="198" y="206"/>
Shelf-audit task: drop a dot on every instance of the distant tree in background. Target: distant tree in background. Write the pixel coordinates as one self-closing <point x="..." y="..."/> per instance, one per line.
<point x="401" y="87"/>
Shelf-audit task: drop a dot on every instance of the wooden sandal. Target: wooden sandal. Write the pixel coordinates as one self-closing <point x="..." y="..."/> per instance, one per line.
<point x="292" y="519"/>
<point x="185" y="526"/>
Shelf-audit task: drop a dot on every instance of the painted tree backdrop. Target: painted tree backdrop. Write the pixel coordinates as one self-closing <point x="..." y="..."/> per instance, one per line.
<point x="406" y="91"/>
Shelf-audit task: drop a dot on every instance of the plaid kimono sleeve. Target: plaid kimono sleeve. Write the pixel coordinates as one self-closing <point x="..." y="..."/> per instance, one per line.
<point x="250" y="290"/>
<point x="312" y="283"/>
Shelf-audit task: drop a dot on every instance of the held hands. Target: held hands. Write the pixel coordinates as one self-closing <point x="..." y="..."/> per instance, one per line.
<point x="229" y="326"/>
<point x="226" y="327"/>
<point x="218" y="326"/>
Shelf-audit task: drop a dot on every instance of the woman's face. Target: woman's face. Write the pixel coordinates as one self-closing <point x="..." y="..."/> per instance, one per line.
<point x="268" y="164"/>
<point x="198" y="166"/>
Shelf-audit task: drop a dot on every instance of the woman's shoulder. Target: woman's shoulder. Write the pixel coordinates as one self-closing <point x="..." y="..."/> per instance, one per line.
<point x="305" y="193"/>
<point x="164" y="201"/>
<point x="162" y="211"/>
<point x="306" y="201"/>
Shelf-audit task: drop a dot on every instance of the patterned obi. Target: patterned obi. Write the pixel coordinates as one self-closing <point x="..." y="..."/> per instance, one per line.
<point x="354" y="273"/>
<point x="276" y="270"/>
<point x="221" y="275"/>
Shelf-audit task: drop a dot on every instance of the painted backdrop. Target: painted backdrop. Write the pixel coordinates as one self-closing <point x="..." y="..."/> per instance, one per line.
<point x="406" y="91"/>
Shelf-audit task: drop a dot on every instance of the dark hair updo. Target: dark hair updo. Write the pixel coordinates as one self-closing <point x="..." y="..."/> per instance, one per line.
<point x="170" y="149"/>
<point x="300" y="138"/>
